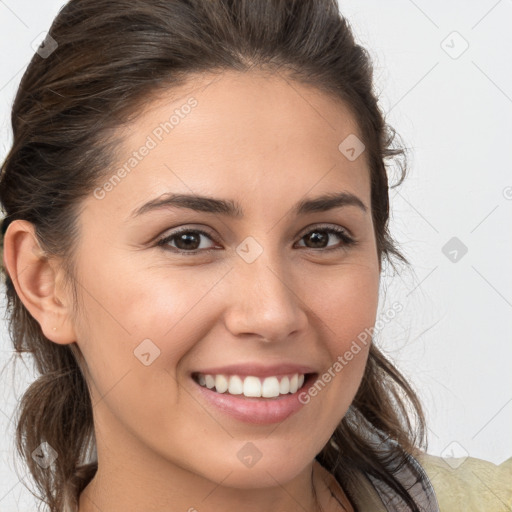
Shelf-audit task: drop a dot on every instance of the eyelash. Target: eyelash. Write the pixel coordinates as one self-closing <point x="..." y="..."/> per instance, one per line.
<point x="340" y="232"/>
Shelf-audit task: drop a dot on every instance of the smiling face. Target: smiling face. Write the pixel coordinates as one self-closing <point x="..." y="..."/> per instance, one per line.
<point x="256" y="287"/>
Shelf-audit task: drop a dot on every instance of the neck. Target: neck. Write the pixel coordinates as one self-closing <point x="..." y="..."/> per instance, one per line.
<point x="180" y="490"/>
<point x="133" y="479"/>
<point x="134" y="476"/>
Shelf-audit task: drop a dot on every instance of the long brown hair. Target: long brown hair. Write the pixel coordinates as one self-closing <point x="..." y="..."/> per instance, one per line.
<point x="104" y="60"/>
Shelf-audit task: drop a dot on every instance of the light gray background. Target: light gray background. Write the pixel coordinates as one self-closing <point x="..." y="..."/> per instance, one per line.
<point x="454" y="111"/>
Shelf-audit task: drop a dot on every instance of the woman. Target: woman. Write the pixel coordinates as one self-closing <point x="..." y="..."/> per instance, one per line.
<point x="196" y="220"/>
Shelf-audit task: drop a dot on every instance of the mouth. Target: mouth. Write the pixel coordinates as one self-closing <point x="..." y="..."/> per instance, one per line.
<point x="254" y="393"/>
<point x="251" y="386"/>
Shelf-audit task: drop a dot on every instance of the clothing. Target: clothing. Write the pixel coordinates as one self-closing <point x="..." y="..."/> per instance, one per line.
<point x="474" y="486"/>
<point x="452" y="485"/>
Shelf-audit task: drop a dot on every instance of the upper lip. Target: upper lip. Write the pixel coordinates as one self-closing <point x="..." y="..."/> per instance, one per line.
<point x="257" y="369"/>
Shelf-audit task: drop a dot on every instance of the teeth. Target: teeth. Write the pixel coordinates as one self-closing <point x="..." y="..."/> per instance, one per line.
<point x="221" y="383"/>
<point x="250" y="386"/>
<point x="284" y="386"/>
<point x="236" y="386"/>
<point x="270" y="387"/>
<point x="294" y="384"/>
<point x="210" y="381"/>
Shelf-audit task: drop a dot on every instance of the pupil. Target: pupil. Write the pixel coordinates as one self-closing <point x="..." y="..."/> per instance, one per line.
<point x="187" y="238"/>
<point x="316" y="237"/>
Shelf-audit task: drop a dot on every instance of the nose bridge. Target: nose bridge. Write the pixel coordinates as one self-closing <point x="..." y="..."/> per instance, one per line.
<point x="266" y="301"/>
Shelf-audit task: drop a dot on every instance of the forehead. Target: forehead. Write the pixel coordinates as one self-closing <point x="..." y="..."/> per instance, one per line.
<point x="237" y="103"/>
<point x="248" y="134"/>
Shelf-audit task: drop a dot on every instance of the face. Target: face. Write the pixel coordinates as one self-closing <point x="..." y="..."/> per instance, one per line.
<point x="245" y="293"/>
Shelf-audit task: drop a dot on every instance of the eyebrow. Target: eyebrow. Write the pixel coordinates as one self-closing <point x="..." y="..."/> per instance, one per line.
<point x="231" y="208"/>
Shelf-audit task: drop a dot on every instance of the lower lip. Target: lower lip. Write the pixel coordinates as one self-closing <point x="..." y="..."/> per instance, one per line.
<point x="261" y="411"/>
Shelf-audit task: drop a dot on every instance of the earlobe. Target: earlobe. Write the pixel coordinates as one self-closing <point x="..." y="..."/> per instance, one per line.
<point x="35" y="278"/>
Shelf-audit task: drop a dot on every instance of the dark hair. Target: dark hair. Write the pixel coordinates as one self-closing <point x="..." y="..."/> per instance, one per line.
<point x="112" y="57"/>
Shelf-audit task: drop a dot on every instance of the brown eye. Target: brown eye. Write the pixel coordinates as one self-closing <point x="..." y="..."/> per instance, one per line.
<point x="189" y="241"/>
<point x="318" y="238"/>
<point x="186" y="241"/>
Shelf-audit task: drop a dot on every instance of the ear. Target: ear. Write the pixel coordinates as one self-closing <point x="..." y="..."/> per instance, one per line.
<point x="38" y="282"/>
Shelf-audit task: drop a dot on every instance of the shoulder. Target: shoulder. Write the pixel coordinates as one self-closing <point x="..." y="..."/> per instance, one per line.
<point x="469" y="484"/>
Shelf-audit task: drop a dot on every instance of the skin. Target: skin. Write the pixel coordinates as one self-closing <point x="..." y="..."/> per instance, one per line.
<point x="264" y="142"/>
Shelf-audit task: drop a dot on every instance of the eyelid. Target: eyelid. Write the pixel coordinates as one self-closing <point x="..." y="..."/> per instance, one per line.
<point x="337" y="227"/>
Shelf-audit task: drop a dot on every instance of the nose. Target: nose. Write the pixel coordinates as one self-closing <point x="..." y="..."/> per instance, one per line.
<point x="265" y="299"/>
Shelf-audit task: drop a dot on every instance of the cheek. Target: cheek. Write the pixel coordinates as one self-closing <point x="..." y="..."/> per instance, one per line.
<point x="345" y="303"/>
<point x="136" y="326"/>
<point x="345" y="314"/>
<point x="132" y="302"/>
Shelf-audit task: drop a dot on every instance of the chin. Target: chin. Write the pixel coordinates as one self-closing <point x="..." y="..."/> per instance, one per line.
<point x="278" y="468"/>
<point x="259" y="477"/>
